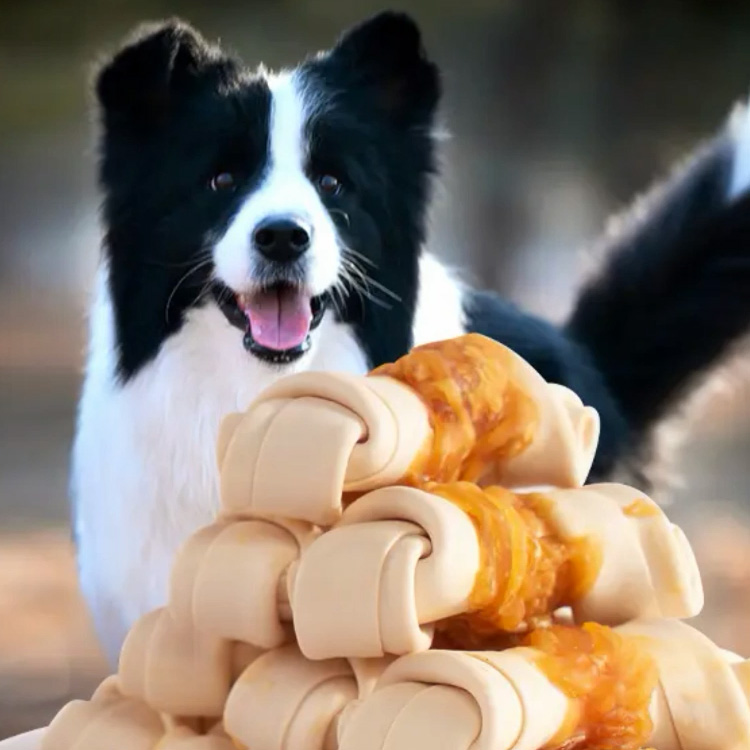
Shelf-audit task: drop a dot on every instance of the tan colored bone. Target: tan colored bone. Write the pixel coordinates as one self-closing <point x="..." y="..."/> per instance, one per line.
<point x="408" y="574"/>
<point x="418" y="557"/>
<point x="366" y="433"/>
<point x="647" y="567"/>
<point x="286" y="702"/>
<point x="703" y="699"/>
<point x="205" y="579"/>
<point x="560" y="447"/>
<point x="487" y="701"/>
<point x="175" y="668"/>
<point x="109" y="719"/>
<point x="562" y="450"/>
<point x="504" y="701"/>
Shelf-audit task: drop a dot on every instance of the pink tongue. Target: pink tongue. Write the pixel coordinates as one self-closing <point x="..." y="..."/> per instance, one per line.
<point x="279" y="318"/>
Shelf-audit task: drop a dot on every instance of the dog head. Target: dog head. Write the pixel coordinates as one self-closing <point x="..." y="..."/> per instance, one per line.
<point x="279" y="197"/>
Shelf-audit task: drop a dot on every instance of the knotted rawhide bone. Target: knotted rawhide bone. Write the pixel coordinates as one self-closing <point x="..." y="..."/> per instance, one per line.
<point x="464" y="409"/>
<point x="474" y="563"/>
<point x="179" y="670"/>
<point x="205" y="589"/>
<point x="113" y="720"/>
<point x="703" y="697"/>
<point x="656" y="683"/>
<point x="284" y="701"/>
<point x="494" y="419"/>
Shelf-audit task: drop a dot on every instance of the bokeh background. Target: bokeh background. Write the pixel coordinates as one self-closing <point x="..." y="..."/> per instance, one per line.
<point x="560" y="112"/>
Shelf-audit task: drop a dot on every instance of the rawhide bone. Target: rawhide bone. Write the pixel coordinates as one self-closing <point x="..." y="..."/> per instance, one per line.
<point x="467" y="561"/>
<point x="464" y="409"/>
<point x="659" y="683"/>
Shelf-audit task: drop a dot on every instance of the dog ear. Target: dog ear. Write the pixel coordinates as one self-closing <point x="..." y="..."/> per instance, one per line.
<point x="152" y="71"/>
<point x="387" y="54"/>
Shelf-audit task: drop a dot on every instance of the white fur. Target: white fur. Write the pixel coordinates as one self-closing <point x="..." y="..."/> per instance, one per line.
<point x="740" y="130"/>
<point x="439" y="314"/>
<point x="285" y="190"/>
<point x="144" y="476"/>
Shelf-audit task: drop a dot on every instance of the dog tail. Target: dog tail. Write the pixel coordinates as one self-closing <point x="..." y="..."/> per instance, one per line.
<point x="673" y="293"/>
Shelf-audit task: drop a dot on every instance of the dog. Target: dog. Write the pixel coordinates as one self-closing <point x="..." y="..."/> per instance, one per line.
<point x="258" y="224"/>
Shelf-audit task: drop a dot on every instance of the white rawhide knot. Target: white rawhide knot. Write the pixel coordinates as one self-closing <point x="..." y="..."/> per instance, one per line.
<point x="283" y="700"/>
<point x="311" y="437"/>
<point x="562" y="449"/>
<point x="176" y="669"/>
<point x="110" y="719"/>
<point x="417" y="557"/>
<point x="204" y="585"/>
<point x="702" y="700"/>
<point x="459" y="700"/>
<point x="647" y="567"/>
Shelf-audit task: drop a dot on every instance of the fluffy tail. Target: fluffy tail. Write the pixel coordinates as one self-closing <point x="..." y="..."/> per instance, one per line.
<point x="673" y="295"/>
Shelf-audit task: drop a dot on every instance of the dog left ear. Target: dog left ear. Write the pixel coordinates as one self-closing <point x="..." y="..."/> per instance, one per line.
<point x="386" y="53"/>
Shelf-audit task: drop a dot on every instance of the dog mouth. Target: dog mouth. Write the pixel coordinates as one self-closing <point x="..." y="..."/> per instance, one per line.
<point x="277" y="320"/>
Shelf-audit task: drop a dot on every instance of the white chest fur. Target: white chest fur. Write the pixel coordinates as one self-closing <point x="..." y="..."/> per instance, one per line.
<point x="144" y="476"/>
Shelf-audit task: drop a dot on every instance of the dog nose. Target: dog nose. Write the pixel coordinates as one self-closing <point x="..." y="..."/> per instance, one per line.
<point x="282" y="238"/>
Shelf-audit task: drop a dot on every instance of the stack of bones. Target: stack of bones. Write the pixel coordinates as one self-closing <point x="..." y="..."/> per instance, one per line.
<point x="410" y="560"/>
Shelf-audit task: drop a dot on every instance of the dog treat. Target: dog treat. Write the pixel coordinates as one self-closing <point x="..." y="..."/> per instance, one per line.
<point x="467" y="409"/>
<point x="703" y="697"/>
<point x="382" y="577"/>
<point x="204" y="588"/>
<point x="657" y="683"/>
<point x="470" y="562"/>
<point x="284" y="700"/>
<point x="494" y="419"/>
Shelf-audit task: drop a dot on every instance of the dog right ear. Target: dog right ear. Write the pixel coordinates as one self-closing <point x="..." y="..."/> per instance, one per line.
<point x="161" y="63"/>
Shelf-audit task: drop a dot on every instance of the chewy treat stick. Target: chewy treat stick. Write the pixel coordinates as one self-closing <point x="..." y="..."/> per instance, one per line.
<point x="475" y="563"/>
<point x="494" y="419"/>
<point x="467" y="408"/>
<point x="569" y="687"/>
<point x="650" y="683"/>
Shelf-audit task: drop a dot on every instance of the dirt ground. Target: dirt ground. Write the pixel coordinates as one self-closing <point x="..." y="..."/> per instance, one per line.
<point x="47" y="650"/>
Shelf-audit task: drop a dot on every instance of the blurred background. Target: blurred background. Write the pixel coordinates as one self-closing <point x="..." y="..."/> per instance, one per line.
<point x="560" y="112"/>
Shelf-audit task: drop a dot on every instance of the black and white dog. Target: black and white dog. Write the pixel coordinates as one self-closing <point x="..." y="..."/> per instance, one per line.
<point x="259" y="224"/>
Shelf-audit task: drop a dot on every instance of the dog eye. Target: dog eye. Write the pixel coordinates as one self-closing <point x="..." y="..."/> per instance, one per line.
<point x="222" y="181"/>
<point x="329" y="184"/>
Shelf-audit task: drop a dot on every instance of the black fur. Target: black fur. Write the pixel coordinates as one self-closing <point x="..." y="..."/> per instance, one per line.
<point x="382" y="94"/>
<point x="175" y="112"/>
<point x="673" y="295"/>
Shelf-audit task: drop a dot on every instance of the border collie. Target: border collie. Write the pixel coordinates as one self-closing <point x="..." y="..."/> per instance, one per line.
<point x="258" y="224"/>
